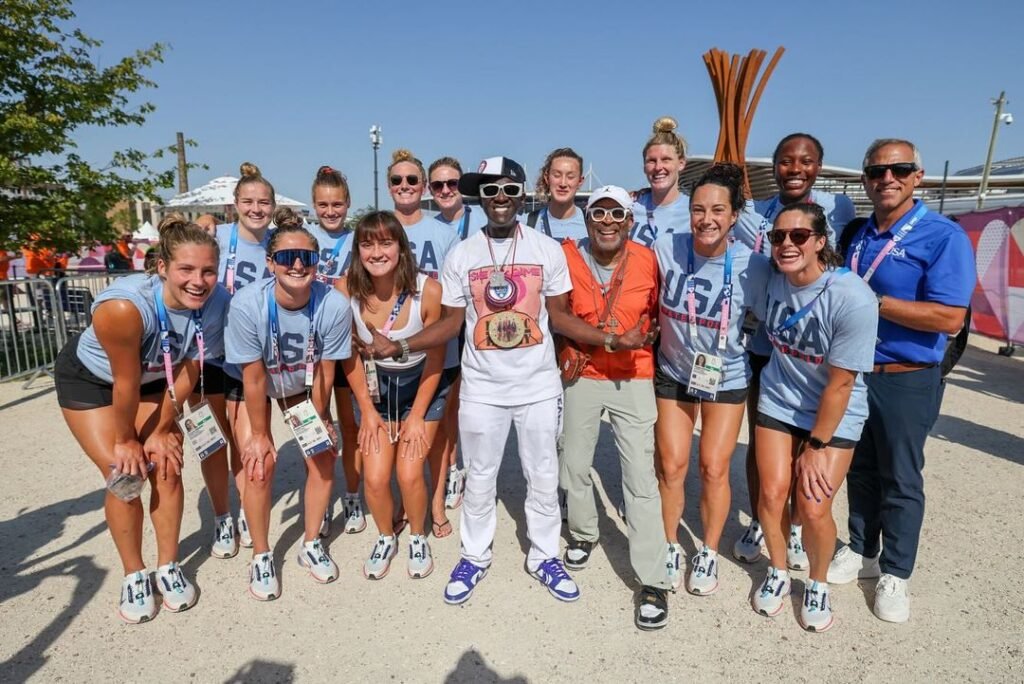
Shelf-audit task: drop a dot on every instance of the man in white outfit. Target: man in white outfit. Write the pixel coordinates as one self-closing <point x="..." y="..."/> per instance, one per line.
<point x="498" y="282"/>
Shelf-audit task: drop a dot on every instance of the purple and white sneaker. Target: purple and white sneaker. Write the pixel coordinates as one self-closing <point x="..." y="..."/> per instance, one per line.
<point x="462" y="582"/>
<point x="552" y="575"/>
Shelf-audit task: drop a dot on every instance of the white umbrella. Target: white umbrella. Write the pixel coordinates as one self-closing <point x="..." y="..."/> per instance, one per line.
<point x="146" y="232"/>
<point x="218" y="193"/>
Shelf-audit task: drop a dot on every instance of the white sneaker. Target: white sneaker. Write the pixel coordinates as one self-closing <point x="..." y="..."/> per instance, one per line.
<point x="421" y="563"/>
<point x="355" y="521"/>
<point x="703" y="577"/>
<point x="455" y="487"/>
<point x="892" y="599"/>
<point x="673" y="565"/>
<point x="816" y="610"/>
<point x="225" y="542"/>
<point x="848" y="565"/>
<point x="244" y="538"/>
<point x="314" y="558"/>
<point x="137" y="601"/>
<point x="796" y="555"/>
<point x="379" y="562"/>
<point x="179" y="594"/>
<point x="263" y="582"/>
<point x="770" y="598"/>
<point x="747" y="548"/>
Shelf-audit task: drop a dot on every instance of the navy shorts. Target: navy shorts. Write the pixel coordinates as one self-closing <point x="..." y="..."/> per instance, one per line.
<point x="766" y="421"/>
<point x="398" y="393"/>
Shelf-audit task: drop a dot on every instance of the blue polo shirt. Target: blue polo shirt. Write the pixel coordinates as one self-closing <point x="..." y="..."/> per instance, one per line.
<point x="934" y="262"/>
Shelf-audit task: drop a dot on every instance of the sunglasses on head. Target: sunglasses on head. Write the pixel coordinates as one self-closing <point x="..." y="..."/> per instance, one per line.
<point x="798" y="236"/>
<point x="618" y="214"/>
<point x="438" y="186"/>
<point x="287" y="257"/>
<point x="899" y="170"/>
<point x="411" y="179"/>
<point x="492" y="189"/>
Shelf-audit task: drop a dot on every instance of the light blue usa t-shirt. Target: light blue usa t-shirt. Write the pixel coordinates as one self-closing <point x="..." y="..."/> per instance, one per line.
<point x="248" y="335"/>
<point x="471" y="220"/>
<point x="653" y="222"/>
<point x="327" y="241"/>
<point x="839" y="330"/>
<point x="574" y="227"/>
<point x="430" y="241"/>
<point x="251" y="257"/>
<point x="141" y="290"/>
<point x="758" y="216"/>
<point x="676" y="352"/>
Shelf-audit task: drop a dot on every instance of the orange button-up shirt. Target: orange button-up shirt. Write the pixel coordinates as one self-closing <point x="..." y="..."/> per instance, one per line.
<point x="638" y="296"/>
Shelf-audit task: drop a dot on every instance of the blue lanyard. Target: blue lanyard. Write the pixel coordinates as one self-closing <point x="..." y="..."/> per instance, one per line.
<point x="766" y="220"/>
<point x="326" y="267"/>
<point x="165" y="344"/>
<point x="691" y="288"/>
<point x="545" y="222"/>
<point x="797" y="316"/>
<point x="275" y="351"/>
<point x="464" y="223"/>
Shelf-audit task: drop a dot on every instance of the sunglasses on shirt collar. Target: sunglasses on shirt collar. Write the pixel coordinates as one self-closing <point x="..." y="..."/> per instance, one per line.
<point x="898" y="170"/>
<point x="287" y="257"/>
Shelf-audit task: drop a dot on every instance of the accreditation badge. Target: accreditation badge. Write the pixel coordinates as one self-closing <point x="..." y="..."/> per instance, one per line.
<point x="308" y="429"/>
<point x="705" y="376"/>
<point x="507" y="329"/>
<point x="372" y="382"/>
<point x="202" y="431"/>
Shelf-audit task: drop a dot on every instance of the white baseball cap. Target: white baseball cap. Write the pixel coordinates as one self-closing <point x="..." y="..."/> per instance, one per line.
<point x="612" y="192"/>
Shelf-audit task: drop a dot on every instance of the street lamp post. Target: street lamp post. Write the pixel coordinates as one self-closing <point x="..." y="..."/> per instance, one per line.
<point x="376" y="138"/>
<point x="1001" y="117"/>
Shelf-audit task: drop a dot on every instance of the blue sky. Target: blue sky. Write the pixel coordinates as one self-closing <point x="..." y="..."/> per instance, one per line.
<point x="293" y="85"/>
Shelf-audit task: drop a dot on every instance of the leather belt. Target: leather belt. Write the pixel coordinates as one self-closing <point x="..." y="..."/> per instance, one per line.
<point x="900" y="367"/>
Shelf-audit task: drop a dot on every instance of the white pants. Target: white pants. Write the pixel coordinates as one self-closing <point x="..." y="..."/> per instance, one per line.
<point x="483" y="431"/>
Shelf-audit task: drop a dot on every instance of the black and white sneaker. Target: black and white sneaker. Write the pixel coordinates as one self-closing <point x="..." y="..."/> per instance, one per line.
<point x="578" y="553"/>
<point x="651" y="608"/>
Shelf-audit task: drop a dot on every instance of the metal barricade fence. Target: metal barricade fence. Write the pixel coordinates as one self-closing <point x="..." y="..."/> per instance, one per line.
<point x="76" y="294"/>
<point x="31" y="328"/>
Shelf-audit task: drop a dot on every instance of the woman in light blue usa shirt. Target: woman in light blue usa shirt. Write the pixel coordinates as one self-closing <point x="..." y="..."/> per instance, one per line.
<point x="662" y="208"/>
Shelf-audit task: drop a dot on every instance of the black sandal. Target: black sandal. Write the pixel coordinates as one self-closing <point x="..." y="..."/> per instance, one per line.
<point x="655" y="601"/>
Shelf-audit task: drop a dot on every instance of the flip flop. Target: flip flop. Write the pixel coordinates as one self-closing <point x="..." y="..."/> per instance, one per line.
<point x="442" y="529"/>
<point x="399" y="525"/>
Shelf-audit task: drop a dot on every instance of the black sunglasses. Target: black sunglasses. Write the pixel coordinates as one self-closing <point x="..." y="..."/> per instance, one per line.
<point x="411" y="179"/>
<point x="509" y="189"/>
<point x="287" y="257"/>
<point x="438" y="186"/>
<point x="899" y="170"/>
<point x="797" y="236"/>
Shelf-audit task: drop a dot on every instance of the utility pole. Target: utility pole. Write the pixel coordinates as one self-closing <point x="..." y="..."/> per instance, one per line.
<point x="182" y="166"/>
<point x="1000" y="117"/>
<point x="376" y="138"/>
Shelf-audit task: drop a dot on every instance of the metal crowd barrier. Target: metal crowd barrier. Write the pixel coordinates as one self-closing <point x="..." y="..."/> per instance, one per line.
<point x="38" y="315"/>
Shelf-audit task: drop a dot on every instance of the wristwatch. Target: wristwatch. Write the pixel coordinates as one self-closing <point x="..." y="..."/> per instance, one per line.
<point x="816" y="443"/>
<point x="609" y="342"/>
<point x="404" y="356"/>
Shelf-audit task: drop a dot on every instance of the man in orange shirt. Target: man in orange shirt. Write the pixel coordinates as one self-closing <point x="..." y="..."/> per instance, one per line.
<point x="615" y="288"/>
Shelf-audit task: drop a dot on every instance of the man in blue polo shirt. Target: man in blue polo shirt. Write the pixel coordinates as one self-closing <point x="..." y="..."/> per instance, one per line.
<point x="921" y="268"/>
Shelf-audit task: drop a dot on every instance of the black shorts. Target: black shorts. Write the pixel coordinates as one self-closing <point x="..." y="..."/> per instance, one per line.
<point x="666" y="387"/>
<point x="79" y="389"/>
<point x="340" y="381"/>
<point x="757" y="364"/>
<point x="214" y="380"/>
<point x="767" y="421"/>
<point x="233" y="389"/>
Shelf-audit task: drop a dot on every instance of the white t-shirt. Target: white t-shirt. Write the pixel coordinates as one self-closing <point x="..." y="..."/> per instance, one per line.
<point x="509" y="357"/>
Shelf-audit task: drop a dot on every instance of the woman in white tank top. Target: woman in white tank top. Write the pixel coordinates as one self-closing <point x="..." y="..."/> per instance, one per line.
<point x="389" y="295"/>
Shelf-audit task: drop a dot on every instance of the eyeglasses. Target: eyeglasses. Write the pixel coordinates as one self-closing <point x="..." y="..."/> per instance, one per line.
<point x="899" y="170"/>
<point x="797" y="236"/>
<point x="411" y="179"/>
<point x="618" y="214"/>
<point x="438" y="186"/>
<point x="287" y="257"/>
<point x="492" y="189"/>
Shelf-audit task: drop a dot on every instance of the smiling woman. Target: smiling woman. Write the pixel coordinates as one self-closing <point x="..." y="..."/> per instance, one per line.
<point x="119" y="386"/>
<point x="663" y="208"/>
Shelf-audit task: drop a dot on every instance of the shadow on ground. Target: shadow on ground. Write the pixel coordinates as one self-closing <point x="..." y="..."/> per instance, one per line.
<point x="472" y="667"/>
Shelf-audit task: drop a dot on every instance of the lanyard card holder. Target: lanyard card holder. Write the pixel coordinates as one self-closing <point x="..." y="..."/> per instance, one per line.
<point x="308" y="429"/>
<point x="372" y="382"/>
<point x="705" y="376"/>
<point x="202" y="431"/>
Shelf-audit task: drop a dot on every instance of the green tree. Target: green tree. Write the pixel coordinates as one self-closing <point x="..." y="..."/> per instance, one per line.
<point x="354" y="216"/>
<point x="51" y="89"/>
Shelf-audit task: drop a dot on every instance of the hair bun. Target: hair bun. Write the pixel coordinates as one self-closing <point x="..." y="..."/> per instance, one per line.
<point x="665" y="124"/>
<point x="286" y="217"/>
<point x="248" y="169"/>
<point x="173" y="221"/>
<point x="401" y="155"/>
